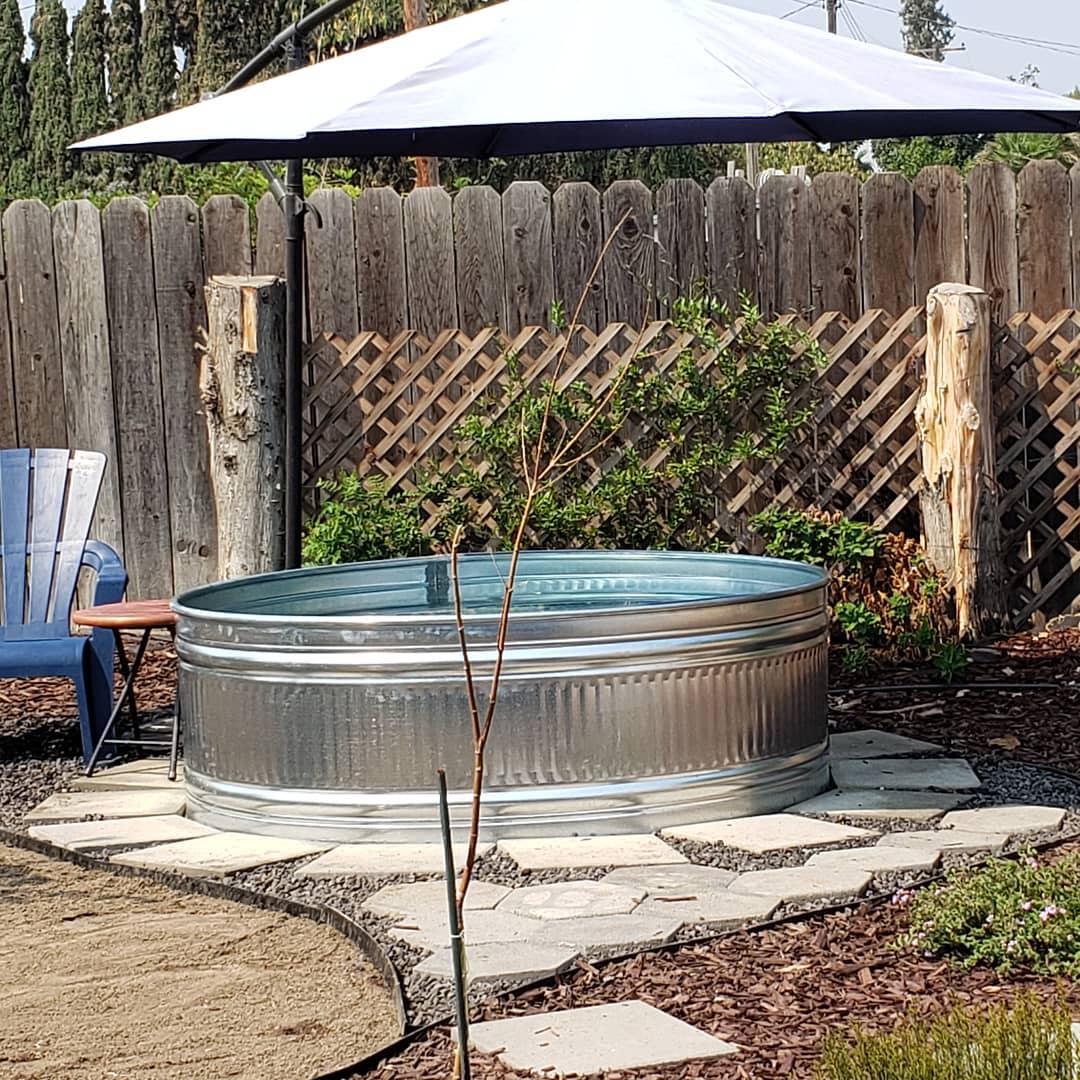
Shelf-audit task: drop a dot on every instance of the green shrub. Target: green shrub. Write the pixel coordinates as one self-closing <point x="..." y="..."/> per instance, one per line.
<point x="1031" y="1040"/>
<point x="1007" y="914"/>
<point x="361" y="520"/>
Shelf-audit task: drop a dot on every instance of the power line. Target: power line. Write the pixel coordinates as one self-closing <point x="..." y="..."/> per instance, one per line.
<point x="1067" y="48"/>
<point x="801" y="7"/>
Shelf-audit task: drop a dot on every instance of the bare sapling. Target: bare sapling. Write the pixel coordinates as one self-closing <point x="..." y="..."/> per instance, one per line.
<point x="539" y="472"/>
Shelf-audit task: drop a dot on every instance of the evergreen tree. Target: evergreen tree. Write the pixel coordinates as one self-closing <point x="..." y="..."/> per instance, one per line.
<point x="124" y="33"/>
<point x="230" y="33"/>
<point x="927" y="29"/>
<point x="89" y="101"/>
<point x="14" y="101"/>
<point x="158" y="59"/>
<point x="50" y="99"/>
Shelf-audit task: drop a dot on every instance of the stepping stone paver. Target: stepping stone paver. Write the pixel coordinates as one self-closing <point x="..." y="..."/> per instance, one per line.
<point x="72" y="805"/>
<point x="872" y="743"/>
<point x="598" y="1039"/>
<point x="610" y="931"/>
<point x="946" y="840"/>
<point x="721" y="910"/>
<point x="422" y="898"/>
<point x="132" y="778"/>
<point x="384" y="860"/>
<point x="911" y="774"/>
<point x="149" y="764"/>
<point x="516" y="962"/>
<point x="798" y="883"/>
<point x="572" y="900"/>
<point x="769" y="832"/>
<point x="120" y="832"/>
<point x="1007" y="820"/>
<point x="881" y="859"/>
<point x="576" y="852"/>
<point x="431" y="929"/>
<point x="681" y="879"/>
<point x="882" y="803"/>
<point x="217" y="855"/>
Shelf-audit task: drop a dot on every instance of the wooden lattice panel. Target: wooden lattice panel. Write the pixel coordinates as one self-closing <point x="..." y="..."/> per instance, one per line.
<point x="390" y="408"/>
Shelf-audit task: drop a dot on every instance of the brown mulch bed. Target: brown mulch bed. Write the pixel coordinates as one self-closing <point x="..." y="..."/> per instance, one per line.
<point x="775" y="993"/>
<point x="1032" y="724"/>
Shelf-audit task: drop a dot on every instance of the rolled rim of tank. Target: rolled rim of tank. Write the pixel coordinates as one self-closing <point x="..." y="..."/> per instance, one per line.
<point x="641" y="690"/>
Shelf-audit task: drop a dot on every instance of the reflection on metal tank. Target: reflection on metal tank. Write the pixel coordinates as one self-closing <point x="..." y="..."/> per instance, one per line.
<point x="641" y="690"/>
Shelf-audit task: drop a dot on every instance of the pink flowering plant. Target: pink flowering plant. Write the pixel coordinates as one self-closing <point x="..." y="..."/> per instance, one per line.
<point x="1010" y="914"/>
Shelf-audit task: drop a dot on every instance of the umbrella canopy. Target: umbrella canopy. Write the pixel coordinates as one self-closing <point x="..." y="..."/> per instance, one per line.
<point x="532" y="76"/>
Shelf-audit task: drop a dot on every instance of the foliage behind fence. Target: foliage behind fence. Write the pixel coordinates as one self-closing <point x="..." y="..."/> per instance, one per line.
<point x="392" y="409"/>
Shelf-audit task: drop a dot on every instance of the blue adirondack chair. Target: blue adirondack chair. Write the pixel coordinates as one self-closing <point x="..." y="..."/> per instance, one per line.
<point x="47" y="500"/>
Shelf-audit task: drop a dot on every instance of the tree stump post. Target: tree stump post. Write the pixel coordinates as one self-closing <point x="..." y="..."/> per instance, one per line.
<point x="242" y="384"/>
<point x="955" y="418"/>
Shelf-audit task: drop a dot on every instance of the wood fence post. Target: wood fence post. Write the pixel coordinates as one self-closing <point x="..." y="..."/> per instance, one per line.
<point x="243" y="391"/>
<point x="955" y="417"/>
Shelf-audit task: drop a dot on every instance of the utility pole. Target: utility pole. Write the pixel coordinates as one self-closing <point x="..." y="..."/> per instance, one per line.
<point x="830" y="11"/>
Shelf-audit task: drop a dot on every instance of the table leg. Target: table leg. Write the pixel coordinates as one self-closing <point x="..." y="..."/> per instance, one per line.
<point x="129" y="671"/>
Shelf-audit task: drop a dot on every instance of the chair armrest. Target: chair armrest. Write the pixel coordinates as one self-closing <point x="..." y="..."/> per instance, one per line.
<point x="112" y="578"/>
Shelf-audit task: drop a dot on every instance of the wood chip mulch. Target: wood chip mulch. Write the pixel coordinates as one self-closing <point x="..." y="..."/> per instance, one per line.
<point x="1032" y="724"/>
<point x="775" y="993"/>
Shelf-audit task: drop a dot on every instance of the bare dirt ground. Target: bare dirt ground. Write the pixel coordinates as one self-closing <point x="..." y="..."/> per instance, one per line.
<point x="113" y="978"/>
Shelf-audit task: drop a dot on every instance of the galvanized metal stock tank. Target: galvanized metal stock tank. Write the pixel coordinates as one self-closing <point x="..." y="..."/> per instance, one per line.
<point x="640" y="690"/>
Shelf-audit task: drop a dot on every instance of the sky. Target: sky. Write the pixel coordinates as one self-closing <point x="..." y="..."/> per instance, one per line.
<point x="1050" y="20"/>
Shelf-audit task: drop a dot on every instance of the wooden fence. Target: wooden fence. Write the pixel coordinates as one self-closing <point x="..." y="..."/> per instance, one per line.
<point x="390" y="407"/>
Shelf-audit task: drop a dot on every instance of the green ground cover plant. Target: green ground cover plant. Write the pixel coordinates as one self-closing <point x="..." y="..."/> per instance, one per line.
<point x="1011" y="915"/>
<point x="1030" y="1040"/>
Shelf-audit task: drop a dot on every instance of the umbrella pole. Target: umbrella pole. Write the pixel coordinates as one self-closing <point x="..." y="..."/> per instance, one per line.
<point x="293" y="206"/>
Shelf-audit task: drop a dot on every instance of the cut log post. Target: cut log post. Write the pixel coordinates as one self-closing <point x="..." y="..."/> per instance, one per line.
<point x="955" y="417"/>
<point x="242" y="385"/>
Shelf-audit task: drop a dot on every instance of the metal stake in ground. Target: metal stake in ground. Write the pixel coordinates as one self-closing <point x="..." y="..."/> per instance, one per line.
<point x="457" y="943"/>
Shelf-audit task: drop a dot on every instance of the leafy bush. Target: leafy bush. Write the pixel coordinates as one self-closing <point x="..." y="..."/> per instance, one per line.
<point x="681" y="427"/>
<point x="1008" y="914"/>
<point x="1032" y="1040"/>
<point x="360" y="520"/>
<point x="887" y="600"/>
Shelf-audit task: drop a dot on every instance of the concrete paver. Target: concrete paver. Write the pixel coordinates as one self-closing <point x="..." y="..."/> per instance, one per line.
<point x="881" y="859"/>
<point x="1008" y="820"/>
<point x="110" y="781"/>
<point x="882" y="803"/>
<point x="724" y="910"/>
<point x="577" y="852"/>
<point x="658" y="880"/>
<point x="120" y="832"/>
<point x="872" y="743"/>
<point x="607" y="932"/>
<point x="73" y="805"/>
<point x="946" y="840"/>
<point x="502" y="961"/>
<point x="911" y="774"/>
<point x="424" y="897"/>
<point x="798" y="883"/>
<point x="769" y="832"/>
<point x="430" y="929"/>
<point x="598" y="1039"/>
<point x="572" y="900"/>
<point x="384" y="860"/>
<point x="219" y="854"/>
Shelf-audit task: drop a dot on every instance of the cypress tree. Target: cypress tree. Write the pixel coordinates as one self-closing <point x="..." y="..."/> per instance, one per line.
<point x="158" y="59"/>
<point x="927" y="29"/>
<point x="230" y="33"/>
<point x="124" y="30"/>
<point x="50" y="99"/>
<point x="89" y="101"/>
<point x="14" y="101"/>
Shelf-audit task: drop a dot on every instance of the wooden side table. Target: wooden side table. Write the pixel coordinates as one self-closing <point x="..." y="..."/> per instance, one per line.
<point x="147" y="616"/>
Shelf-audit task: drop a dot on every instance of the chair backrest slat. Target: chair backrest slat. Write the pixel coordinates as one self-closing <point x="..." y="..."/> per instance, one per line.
<point x="14" y="515"/>
<point x="84" y="484"/>
<point x="47" y="500"/>
<point x="49" y="478"/>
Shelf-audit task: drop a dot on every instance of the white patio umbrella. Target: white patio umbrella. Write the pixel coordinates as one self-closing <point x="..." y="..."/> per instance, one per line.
<point x="530" y="76"/>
